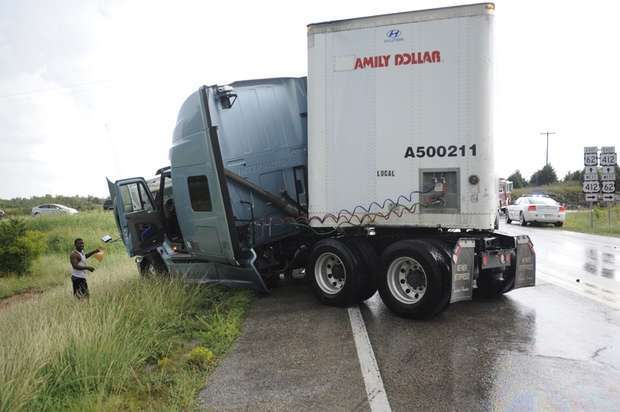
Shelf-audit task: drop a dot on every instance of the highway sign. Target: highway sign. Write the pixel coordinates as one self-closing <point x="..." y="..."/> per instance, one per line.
<point x="590" y="159"/>
<point x="608" y="159"/>
<point x="608" y="197"/>
<point x="608" y="173"/>
<point x="590" y="176"/>
<point x="608" y="149"/>
<point x="591" y="197"/>
<point x="609" y="187"/>
<point x="590" y="149"/>
<point x="591" y="187"/>
<point x="590" y="173"/>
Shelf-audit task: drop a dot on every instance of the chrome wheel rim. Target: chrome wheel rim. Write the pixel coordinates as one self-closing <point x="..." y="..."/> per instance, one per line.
<point x="407" y="280"/>
<point x="330" y="273"/>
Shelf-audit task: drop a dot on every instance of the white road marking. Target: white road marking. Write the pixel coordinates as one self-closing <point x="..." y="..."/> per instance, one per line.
<point x="377" y="398"/>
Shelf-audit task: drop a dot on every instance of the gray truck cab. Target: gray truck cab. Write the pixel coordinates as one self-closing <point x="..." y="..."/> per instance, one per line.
<point x="237" y="171"/>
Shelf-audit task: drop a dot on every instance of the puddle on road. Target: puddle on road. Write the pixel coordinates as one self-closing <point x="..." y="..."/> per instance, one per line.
<point x="600" y="263"/>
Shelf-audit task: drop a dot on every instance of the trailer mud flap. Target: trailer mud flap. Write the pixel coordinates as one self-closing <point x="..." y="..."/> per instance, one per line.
<point x="525" y="272"/>
<point x="463" y="270"/>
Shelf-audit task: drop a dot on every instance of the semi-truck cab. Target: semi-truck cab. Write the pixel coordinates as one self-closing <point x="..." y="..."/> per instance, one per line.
<point x="374" y="173"/>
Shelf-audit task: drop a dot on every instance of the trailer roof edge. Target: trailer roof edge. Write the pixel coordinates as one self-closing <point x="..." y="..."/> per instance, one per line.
<point x="477" y="9"/>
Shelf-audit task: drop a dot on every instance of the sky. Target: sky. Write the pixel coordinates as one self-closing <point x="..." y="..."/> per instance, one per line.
<point x="90" y="89"/>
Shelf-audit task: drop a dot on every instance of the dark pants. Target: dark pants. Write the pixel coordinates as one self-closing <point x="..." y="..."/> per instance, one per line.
<point x="80" y="287"/>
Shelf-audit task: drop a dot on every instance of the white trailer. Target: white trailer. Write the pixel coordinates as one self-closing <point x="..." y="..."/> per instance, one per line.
<point x="401" y="108"/>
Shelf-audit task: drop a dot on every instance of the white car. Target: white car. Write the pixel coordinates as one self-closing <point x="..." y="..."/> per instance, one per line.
<point x="539" y="209"/>
<point x="53" y="209"/>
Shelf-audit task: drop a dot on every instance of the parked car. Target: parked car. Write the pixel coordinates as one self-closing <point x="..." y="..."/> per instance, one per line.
<point x="108" y="205"/>
<point x="49" y="209"/>
<point x="539" y="209"/>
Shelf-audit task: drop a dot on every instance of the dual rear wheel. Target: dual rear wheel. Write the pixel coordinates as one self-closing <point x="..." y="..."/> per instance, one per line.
<point x="413" y="277"/>
<point x="342" y="273"/>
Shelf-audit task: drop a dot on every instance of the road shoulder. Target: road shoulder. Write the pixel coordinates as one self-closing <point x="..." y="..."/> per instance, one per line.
<point x="293" y="354"/>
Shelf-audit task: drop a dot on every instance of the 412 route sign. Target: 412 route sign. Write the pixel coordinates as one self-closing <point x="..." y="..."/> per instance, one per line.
<point x="608" y="156"/>
<point x="593" y="186"/>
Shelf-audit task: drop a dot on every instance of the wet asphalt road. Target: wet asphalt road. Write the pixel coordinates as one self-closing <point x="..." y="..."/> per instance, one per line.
<point x="585" y="264"/>
<point x="552" y="347"/>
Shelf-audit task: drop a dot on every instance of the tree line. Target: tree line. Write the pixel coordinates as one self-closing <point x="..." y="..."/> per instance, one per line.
<point x="23" y="206"/>
<point x="547" y="176"/>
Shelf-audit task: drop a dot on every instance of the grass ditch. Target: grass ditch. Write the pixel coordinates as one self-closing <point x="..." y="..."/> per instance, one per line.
<point x="135" y="345"/>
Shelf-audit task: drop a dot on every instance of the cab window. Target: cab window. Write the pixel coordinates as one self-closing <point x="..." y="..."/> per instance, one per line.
<point x="199" y="195"/>
<point x="135" y="198"/>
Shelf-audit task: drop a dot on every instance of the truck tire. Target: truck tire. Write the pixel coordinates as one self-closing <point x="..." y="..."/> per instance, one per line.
<point x="413" y="281"/>
<point x="446" y="250"/>
<point x="522" y="220"/>
<point x="333" y="271"/>
<point x="490" y="287"/>
<point x="152" y="266"/>
<point x="370" y="268"/>
<point x="508" y="219"/>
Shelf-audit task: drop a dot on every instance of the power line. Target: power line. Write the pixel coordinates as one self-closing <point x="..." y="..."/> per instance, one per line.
<point x="62" y="89"/>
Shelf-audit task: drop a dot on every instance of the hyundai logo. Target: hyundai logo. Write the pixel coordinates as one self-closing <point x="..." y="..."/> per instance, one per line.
<point x="393" y="34"/>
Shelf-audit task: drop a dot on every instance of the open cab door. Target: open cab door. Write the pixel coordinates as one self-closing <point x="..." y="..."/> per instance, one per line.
<point x="138" y="220"/>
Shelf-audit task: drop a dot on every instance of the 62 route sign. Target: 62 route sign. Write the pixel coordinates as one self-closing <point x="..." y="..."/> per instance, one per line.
<point x="608" y="187"/>
<point x="592" y="186"/>
<point x="590" y="159"/>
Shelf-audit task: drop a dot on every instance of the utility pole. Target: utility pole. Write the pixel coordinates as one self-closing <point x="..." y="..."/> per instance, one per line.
<point x="547" y="152"/>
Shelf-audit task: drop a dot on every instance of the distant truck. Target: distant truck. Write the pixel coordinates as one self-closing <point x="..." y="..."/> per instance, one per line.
<point x="505" y="195"/>
<point x="375" y="172"/>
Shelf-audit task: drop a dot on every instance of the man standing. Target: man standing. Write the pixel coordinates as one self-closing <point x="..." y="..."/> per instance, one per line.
<point x="79" y="269"/>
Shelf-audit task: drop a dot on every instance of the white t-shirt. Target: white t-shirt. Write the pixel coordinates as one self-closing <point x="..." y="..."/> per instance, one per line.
<point x="79" y="273"/>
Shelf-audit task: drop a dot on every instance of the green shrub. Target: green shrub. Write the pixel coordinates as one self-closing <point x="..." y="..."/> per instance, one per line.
<point x="200" y="357"/>
<point x="19" y="247"/>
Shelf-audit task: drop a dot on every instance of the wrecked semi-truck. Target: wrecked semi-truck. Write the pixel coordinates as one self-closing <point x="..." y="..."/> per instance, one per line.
<point x="377" y="173"/>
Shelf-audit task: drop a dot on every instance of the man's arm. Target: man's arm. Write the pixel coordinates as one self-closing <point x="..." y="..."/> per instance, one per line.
<point x="75" y="263"/>
<point x="89" y="254"/>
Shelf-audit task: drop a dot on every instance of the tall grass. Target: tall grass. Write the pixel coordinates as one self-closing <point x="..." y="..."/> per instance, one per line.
<point x="580" y="221"/>
<point x="61" y="230"/>
<point x="59" y="353"/>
